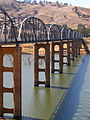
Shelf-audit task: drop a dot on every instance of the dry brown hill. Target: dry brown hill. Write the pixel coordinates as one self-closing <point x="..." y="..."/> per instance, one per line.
<point x="50" y="13"/>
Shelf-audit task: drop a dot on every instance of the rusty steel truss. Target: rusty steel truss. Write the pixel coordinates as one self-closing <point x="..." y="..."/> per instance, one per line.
<point x="32" y="30"/>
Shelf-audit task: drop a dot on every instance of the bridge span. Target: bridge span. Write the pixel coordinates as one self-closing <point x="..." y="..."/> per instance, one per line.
<point x="33" y="30"/>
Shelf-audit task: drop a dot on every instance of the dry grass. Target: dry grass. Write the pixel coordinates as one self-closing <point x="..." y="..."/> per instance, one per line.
<point x="49" y="14"/>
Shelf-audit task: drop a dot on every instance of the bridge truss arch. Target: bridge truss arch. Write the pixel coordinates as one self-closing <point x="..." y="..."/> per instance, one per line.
<point x="74" y="35"/>
<point x="70" y="34"/>
<point x="54" y="33"/>
<point x="64" y="33"/>
<point x="7" y="28"/>
<point x="32" y="30"/>
<point x="77" y="36"/>
<point x="80" y="36"/>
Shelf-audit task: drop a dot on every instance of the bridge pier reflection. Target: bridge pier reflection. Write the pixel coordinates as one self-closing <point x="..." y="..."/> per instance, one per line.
<point x="16" y="89"/>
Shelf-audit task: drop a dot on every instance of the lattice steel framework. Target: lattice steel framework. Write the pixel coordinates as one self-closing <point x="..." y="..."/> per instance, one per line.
<point x="54" y="33"/>
<point x="70" y="34"/>
<point x="7" y="29"/>
<point x="64" y="33"/>
<point x="32" y="30"/>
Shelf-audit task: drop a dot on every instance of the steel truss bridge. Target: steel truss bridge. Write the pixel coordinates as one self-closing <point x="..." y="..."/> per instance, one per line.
<point x="32" y="30"/>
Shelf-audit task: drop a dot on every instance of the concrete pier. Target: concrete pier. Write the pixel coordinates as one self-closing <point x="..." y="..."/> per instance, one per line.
<point x="60" y="60"/>
<point x="46" y="70"/>
<point x="16" y="90"/>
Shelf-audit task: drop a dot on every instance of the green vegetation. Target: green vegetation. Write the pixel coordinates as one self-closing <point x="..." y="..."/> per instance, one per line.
<point x="85" y="31"/>
<point x="80" y="14"/>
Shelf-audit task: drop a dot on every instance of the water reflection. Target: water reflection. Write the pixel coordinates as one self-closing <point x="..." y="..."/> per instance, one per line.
<point x="27" y="59"/>
<point x="8" y="60"/>
<point x="71" y="101"/>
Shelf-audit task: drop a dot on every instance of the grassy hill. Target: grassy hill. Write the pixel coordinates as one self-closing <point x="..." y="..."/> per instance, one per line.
<point x="51" y="13"/>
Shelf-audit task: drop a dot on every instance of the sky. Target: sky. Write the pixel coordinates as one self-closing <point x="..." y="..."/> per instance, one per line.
<point x="82" y="3"/>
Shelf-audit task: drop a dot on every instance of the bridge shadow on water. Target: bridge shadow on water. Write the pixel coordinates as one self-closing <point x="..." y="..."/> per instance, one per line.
<point x="68" y="107"/>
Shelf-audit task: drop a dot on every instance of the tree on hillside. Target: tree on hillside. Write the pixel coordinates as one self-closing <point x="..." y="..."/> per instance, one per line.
<point x="80" y="26"/>
<point x="57" y="3"/>
<point x="85" y="31"/>
<point x="75" y="9"/>
<point x="28" y="1"/>
<point x="41" y="3"/>
<point x="35" y="12"/>
<point x="65" y="17"/>
<point x="66" y="4"/>
<point x="34" y="2"/>
<point x="64" y="25"/>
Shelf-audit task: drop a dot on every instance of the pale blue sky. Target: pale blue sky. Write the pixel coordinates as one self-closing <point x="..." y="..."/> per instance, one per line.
<point x="83" y="3"/>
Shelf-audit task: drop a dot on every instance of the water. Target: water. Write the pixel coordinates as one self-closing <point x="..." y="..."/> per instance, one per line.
<point x="76" y="104"/>
<point x="41" y="102"/>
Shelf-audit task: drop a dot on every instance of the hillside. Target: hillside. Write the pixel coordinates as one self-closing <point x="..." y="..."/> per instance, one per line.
<point x="49" y="12"/>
